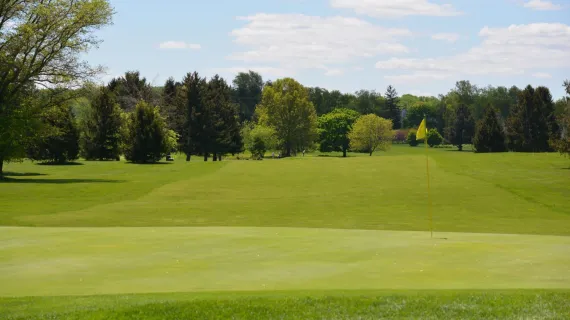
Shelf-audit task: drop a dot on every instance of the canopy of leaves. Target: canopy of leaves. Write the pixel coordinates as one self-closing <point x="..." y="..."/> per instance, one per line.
<point x="334" y="128"/>
<point x="489" y="135"/>
<point x="285" y="106"/>
<point x="370" y="133"/>
<point x="434" y="138"/>
<point x="258" y="139"/>
<point x="148" y="139"/>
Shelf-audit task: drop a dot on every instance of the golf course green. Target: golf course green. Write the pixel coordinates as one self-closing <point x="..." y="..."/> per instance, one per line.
<point x="301" y="238"/>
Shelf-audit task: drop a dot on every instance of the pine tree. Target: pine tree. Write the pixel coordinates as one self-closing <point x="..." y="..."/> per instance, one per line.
<point x="147" y="137"/>
<point x="462" y="129"/>
<point x="392" y="107"/>
<point x="101" y="135"/>
<point x="194" y="139"/>
<point x="489" y="136"/>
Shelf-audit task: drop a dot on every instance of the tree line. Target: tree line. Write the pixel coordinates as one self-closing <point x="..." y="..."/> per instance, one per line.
<point x="50" y="111"/>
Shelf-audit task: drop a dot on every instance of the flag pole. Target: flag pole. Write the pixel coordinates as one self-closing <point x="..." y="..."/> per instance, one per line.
<point x="429" y="189"/>
<point x="428" y="185"/>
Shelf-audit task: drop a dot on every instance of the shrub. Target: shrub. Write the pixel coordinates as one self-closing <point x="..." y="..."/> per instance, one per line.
<point x="434" y="138"/>
<point x="148" y="139"/>
<point x="412" y="141"/>
<point x="401" y="136"/>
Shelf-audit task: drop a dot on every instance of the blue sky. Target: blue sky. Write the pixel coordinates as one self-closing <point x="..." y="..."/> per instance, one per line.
<point x="419" y="46"/>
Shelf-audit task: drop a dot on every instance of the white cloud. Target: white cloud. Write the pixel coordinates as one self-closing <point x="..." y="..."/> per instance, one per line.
<point x="296" y="42"/>
<point x="542" y="5"/>
<point x="420" y="93"/>
<point x="449" y="37"/>
<point x="270" y="72"/>
<point x="334" y="72"/>
<point x="504" y="51"/>
<point x="399" y="8"/>
<point x="542" y="75"/>
<point x="179" y="45"/>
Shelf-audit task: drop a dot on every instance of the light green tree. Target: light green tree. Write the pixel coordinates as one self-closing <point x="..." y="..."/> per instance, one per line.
<point x="370" y="133"/>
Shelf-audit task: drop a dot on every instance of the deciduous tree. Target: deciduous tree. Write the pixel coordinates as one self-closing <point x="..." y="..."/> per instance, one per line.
<point x="371" y="133"/>
<point x="41" y="43"/>
<point x="334" y="128"/>
<point x="285" y="106"/>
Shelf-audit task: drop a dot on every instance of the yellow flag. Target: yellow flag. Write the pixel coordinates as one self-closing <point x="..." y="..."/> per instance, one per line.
<point x="422" y="130"/>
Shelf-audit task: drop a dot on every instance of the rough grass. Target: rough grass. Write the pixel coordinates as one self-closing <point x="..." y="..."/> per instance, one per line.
<point x="496" y="193"/>
<point x="299" y="305"/>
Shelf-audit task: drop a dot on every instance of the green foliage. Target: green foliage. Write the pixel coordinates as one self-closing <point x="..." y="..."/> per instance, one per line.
<point x="148" y="139"/>
<point x="60" y="144"/>
<point x="285" y="106"/>
<point x="247" y="89"/>
<point x="41" y="42"/>
<point x="258" y="139"/>
<point x="370" y="133"/>
<point x="101" y="128"/>
<point x="130" y="89"/>
<point x="562" y="142"/>
<point x="434" y="138"/>
<point x="463" y="127"/>
<point x="334" y="128"/>
<point x="416" y="113"/>
<point x="532" y="123"/>
<point x="489" y="136"/>
<point x="412" y="141"/>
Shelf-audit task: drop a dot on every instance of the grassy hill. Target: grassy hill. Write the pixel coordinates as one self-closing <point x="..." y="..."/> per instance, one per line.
<point x="299" y="238"/>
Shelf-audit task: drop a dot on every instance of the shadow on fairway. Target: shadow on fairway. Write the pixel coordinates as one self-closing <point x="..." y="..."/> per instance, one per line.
<point x="58" y="181"/>
<point x="23" y="174"/>
<point x="149" y="163"/>
<point x="55" y="164"/>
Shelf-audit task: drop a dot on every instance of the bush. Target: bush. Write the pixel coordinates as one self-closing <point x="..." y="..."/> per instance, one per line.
<point x="148" y="139"/>
<point x="434" y="138"/>
<point x="489" y="136"/>
<point x="401" y="136"/>
<point x="258" y="139"/>
<point x="412" y="141"/>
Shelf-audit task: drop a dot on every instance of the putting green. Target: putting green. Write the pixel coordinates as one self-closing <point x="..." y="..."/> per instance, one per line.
<point x="86" y="261"/>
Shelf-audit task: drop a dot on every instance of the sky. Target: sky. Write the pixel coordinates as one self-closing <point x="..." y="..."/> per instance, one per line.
<point x="420" y="47"/>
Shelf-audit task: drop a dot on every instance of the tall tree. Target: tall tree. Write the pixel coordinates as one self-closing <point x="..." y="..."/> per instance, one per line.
<point x="392" y="107"/>
<point x="562" y="142"/>
<point x="489" y="134"/>
<point x="285" y="106"/>
<point x="334" y="128"/>
<point x="41" y="43"/>
<point x="370" y="133"/>
<point x="247" y="89"/>
<point x="463" y="127"/>
<point x="101" y="131"/>
<point x="61" y="141"/>
<point x="194" y="139"/>
<point x="532" y="121"/>
<point x="223" y="129"/>
<point x="130" y="89"/>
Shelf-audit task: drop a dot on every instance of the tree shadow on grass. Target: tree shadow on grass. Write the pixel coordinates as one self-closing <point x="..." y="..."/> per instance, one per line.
<point x="149" y="163"/>
<point x="23" y="174"/>
<point x="56" y="181"/>
<point x="333" y="156"/>
<point x="56" y="164"/>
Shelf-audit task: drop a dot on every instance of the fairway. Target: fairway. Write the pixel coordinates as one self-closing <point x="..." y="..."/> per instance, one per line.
<point x="313" y="226"/>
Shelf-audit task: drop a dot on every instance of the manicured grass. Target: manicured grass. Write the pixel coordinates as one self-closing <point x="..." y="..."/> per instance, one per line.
<point x="255" y="239"/>
<point x="299" y="305"/>
<point x="87" y="261"/>
<point x="498" y="193"/>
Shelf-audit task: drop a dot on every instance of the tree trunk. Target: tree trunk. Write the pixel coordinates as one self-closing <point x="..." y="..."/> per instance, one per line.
<point x="460" y="147"/>
<point x="220" y="157"/>
<point x="215" y="157"/>
<point x="371" y="153"/>
<point x="187" y="157"/>
<point x="344" y="152"/>
<point x="1" y="167"/>
<point x="205" y="157"/>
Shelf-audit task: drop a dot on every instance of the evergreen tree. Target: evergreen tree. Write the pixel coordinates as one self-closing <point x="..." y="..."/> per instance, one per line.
<point x="392" y="106"/>
<point x="60" y="144"/>
<point x="130" y="89"/>
<point x="247" y="89"/>
<point x="101" y="136"/>
<point x="462" y="129"/>
<point x="147" y="139"/>
<point x="532" y="122"/>
<point x="194" y="135"/>
<point x="489" y="136"/>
